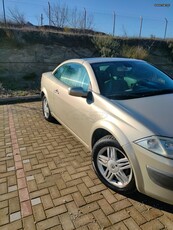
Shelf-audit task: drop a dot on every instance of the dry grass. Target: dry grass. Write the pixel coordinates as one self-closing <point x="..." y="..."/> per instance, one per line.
<point x="135" y="52"/>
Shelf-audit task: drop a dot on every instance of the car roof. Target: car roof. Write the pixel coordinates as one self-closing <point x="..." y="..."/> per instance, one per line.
<point x="107" y="59"/>
<point x="102" y="59"/>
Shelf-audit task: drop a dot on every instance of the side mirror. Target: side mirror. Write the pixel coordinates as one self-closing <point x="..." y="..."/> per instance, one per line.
<point x="77" y="92"/>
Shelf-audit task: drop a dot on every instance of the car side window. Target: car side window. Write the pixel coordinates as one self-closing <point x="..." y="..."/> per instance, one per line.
<point x="73" y="75"/>
<point x="60" y="71"/>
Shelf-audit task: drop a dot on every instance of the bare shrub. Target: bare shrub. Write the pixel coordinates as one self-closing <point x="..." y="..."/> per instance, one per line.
<point x="17" y="17"/>
<point x="170" y="47"/>
<point x="106" y="46"/>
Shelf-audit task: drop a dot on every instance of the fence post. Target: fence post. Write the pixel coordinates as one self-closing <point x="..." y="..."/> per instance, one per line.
<point x="41" y="19"/>
<point x="141" y="22"/>
<point x="3" y="5"/>
<point x="49" y="12"/>
<point x="166" y="25"/>
<point x="114" y="18"/>
<point x="85" y="18"/>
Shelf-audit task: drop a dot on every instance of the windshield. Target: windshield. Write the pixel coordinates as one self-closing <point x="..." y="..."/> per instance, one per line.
<point x="131" y="79"/>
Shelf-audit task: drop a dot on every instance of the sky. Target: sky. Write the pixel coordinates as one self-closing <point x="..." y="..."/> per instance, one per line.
<point x="132" y="17"/>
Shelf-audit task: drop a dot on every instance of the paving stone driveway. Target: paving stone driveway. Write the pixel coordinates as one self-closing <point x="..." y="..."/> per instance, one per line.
<point x="47" y="181"/>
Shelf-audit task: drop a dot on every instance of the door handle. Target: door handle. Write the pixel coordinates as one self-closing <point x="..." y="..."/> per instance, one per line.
<point x="56" y="91"/>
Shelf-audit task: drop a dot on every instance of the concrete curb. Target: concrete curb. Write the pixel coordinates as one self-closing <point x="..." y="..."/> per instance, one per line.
<point x="14" y="100"/>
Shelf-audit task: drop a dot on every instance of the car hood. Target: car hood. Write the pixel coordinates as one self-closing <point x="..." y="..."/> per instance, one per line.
<point x="155" y="112"/>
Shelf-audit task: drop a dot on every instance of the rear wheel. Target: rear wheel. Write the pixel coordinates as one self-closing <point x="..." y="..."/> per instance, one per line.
<point x="113" y="166"/>
<point x="46" y="111"/>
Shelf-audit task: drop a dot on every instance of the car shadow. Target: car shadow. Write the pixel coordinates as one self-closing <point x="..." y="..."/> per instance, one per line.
<point x="144" y="199"/>
<point x="54" y="121"/>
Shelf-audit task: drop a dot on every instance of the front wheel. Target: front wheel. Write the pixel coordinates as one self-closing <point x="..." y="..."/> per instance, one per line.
<point x="112" y="165"/>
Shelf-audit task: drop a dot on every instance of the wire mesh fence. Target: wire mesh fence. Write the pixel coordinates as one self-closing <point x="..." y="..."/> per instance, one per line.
<point x="129" y="26"/>
<point x="107" y="22"/>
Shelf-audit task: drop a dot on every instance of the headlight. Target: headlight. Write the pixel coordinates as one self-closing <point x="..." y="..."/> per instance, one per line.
<point x="160" y="145"/>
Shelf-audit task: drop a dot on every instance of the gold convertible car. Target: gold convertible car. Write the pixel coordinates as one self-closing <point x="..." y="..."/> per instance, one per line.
<point x="122" y="110"/>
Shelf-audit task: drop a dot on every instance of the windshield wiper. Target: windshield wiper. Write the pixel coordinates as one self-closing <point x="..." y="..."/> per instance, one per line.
<point x="157" y="92"/>
<point x="125" y="95"/>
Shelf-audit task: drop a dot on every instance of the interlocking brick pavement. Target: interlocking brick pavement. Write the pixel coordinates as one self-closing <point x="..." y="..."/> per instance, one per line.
<point x="47" y="181"/>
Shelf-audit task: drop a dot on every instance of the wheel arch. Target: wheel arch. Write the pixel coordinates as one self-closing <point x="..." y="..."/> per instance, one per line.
<point x="104" y="128"/>
<point x="43" y="93"/>
<point x="110" y="129"/>
<point x="98" y="134"/>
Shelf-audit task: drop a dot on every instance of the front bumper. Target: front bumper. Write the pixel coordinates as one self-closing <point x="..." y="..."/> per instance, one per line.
<point x="156" y="174"/>
<point x="162" y="179"/>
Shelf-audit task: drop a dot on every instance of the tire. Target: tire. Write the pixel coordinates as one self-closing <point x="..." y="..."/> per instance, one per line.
<point x="46" y="111"/>
<point x="112" y="166"/>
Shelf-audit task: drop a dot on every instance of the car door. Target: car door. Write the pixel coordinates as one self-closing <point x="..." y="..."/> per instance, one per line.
<point x="73" y="112"/>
